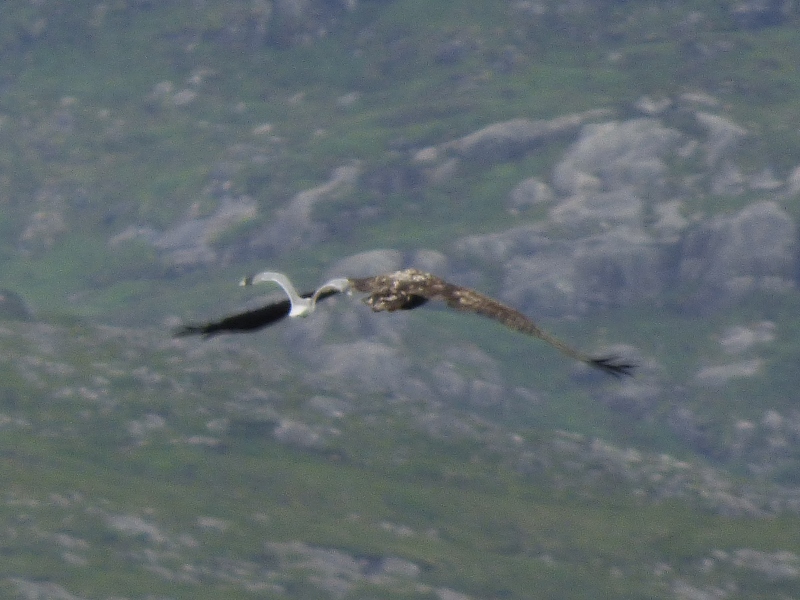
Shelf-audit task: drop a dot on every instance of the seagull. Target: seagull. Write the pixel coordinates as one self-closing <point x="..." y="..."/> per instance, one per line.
<point x="401" y="290"/>
<point x="296" y="305"/>
<point x="301" y="305"/>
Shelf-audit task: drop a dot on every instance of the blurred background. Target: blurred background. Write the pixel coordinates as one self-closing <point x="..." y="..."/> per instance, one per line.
<point x="627" y="173"/>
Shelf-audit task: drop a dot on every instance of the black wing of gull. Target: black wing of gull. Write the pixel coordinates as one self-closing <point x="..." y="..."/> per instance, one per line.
<point x="248" y="321"/>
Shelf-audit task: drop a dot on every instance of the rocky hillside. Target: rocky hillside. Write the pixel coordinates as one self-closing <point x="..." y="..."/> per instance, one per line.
<point x="627" y="173"/>
<point x="149" y="467"/>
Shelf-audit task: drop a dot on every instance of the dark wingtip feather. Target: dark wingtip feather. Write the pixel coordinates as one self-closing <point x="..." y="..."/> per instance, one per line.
<point x="613" y="366"/>
<point x="186" y="330"/>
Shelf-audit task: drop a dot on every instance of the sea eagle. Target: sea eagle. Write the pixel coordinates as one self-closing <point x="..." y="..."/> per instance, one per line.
<point x="401" y="290"/>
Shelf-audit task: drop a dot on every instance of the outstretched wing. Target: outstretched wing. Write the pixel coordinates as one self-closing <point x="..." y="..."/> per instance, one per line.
<point x="469" y="300"/>
<point x="411" y="288"/>
<point x="249" y="321"/>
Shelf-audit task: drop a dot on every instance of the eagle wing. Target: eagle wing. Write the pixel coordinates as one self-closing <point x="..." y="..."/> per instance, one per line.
<point x="399" y="291"/>
<point x="468" y="300"/>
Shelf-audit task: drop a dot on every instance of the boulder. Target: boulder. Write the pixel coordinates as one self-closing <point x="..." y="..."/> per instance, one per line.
<point x="503" y="245"/>
<point x="728" y="256"/>
<point x="757" y="14"/>
<point x="617" y="268"/>
<point x="300" y="435"/>
<point x="793" y="182"/>
<point x="599" y="211"/>
<point x="509" y="139"/>
<point x="448" y="381"/>
<point x="372" y="366"/>
<point x="543" y="283"/>
<point x="367" y="264"/>
<point x="720" y="375"/>
<point x="614" y="268"/>
<point x="775" y="566"/>
<point x="431" y="261"/>
<point x="294" y="226"/>
<point x="190" y="242"/>
<point x="728" y="180"/>
<point x="13" y="307"/>
<point x="724" y="137"/>
<point x="739" y="339"/>
<point x="669" y="223"/>
<point x="529" y="193"/>
<point x="485" y="394"/>
<point x="614" y="155"/>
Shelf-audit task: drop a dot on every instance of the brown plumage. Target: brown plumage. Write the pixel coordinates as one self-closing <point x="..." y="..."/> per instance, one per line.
<point x="399" y="290"/>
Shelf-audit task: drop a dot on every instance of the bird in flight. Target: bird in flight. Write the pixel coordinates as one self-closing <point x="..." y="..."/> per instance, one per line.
<point x="295" y="305"/>
<point x="401" y="290"/>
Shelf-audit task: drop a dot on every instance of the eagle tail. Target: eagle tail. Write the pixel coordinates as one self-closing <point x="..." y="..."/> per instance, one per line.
<point x="613" y="366"/>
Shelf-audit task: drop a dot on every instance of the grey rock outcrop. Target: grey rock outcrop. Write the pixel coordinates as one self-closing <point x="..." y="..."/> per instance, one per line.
<point x="375" y="262"/>
<point x="597" y="251"/>
<point x="731" y="255"/>
<point x="618" y="235"/>
<point x="13" y="307"/>
<point x="504" y="245"/>
<point x="739" y="338"/>
<point x="757" y="14"/>
<point x="369" y="365"/>
<point x="615" y="155"/>
<point x="775" y="566"/>
<point x="544" y="282"/>
<point x="337" y="572"/>
<point x="301" y="435"/>
<point x="600" y="210"/>
<point x="190" y="242"/>
<point x="294" y="225"/>
<point x="38" y="590"/>
<point x="498" y="142"/>
<point x="529" y="193"/>
<point x="720" y="375"/>
<point x="508" y="139"/>
<point x="720" y="260"/>
<point x="366" y="264"/>
<point x="724" y="137"/>
<point x="617" y="268"/>
<point x="793" y="182"/>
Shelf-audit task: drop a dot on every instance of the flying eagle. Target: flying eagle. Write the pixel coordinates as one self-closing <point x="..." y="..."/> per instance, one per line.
<point x="401" y="290"/>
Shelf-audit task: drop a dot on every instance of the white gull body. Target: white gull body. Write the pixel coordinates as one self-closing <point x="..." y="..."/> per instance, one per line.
<point x="301" y="307"/>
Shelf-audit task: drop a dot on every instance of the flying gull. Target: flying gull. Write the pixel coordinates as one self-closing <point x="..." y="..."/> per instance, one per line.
<point x="401" y="290"/>
<point x="295" y="305"/>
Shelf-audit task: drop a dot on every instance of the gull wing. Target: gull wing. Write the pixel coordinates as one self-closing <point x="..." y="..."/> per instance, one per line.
<point x="248" y="321"/>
